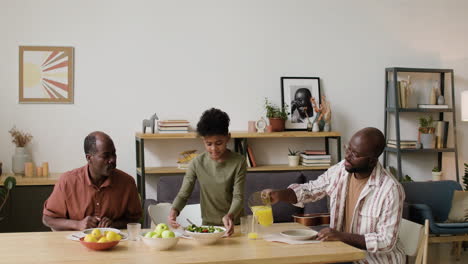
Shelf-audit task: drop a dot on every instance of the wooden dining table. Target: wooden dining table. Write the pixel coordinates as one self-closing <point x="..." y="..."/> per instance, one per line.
<point x="54" y="247"/>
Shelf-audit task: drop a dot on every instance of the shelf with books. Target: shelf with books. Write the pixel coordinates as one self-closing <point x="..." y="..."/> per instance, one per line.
<point x="142" y="170"/>
<point x="275" y="167"/>
<point x="420" y="110"/>
<point x="421" y="150"/>
<point x="240" y="134"/>
<point x="437" y="86"/>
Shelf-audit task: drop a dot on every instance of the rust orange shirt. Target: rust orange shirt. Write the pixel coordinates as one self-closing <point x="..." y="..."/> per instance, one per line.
<point x="75" y="197"/>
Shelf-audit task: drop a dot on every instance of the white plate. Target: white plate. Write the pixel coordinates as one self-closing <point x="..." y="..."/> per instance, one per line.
<point x="299" y="234"/>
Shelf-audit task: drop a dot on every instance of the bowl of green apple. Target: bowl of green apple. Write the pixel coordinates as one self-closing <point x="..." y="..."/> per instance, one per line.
<point x="162" y="238"/>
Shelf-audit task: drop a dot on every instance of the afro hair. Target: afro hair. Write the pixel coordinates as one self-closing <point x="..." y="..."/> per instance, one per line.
<point x="213" y="122"/>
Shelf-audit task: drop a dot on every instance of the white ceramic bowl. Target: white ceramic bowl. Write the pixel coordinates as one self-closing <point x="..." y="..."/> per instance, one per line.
<point x="160" y="243"/>
<point x="206" y="238"/>
<point x="299" y="234"/>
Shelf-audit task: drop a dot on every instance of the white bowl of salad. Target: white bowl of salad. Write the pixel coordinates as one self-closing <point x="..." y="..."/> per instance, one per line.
<point x="205" y="235"/>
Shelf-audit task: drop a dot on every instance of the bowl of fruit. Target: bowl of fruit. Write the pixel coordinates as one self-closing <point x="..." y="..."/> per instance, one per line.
<point x="205" y="235"/>
<point x="162" y="238"/>
<point x="99" y="239"/>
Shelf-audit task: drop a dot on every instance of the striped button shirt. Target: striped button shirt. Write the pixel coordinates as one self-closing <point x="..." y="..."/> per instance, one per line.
<point x="377" y="214"/>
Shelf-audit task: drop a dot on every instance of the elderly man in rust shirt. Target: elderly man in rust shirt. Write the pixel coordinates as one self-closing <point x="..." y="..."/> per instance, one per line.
<point x="95" y="195"/>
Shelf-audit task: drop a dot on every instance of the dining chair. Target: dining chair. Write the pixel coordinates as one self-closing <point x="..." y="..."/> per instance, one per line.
<point x="159" y="212"/>
<point x="414" y="238"/>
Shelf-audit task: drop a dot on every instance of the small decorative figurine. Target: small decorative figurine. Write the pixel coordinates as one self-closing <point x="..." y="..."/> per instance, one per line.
<point x="405" y="92"/>
<point x="323" y="117"/>
<point x="150" y="123"/>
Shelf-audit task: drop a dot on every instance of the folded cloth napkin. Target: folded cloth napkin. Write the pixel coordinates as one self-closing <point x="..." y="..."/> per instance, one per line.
<point x="277" y="237"/>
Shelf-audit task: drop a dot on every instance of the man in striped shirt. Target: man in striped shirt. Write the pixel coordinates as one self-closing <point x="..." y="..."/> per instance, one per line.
<point x="366" y="201"/>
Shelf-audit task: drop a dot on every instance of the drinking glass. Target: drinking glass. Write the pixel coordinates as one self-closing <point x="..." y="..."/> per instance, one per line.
<point x="133" y="230"/>
<point x="253" y="231"/>
<point x="245" y="221"/>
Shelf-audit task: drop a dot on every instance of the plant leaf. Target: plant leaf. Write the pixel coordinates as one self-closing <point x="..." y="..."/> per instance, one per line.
<point x="10" y="183"/>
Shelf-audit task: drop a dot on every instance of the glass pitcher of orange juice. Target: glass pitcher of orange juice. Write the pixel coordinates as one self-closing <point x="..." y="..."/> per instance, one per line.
<point x="261" y="208"/>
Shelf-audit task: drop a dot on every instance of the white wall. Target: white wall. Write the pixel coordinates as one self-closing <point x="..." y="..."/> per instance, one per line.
<point x="178" y="58"/>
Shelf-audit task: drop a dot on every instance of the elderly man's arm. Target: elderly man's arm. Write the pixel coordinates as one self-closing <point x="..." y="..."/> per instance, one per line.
<point x="387" y="227"/>
<point x="329" y="234"/>
<point x="298" y="194"/>
<point x="63" y="224"/>
<point x="386" y="236"/>
<point x="314" y="190"/>
<point x="133" y="212"/>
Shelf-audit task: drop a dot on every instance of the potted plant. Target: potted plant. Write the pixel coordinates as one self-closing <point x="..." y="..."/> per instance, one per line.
<point x="293" y="158"/>
<point x="8" y="184"/>
<point x="436" y="174"/>
<point x="394" y="172"/>
<point x="426" y="132"/>
<point x="465" y="178"/>
<point x="21" y="139"/>
<point x="276" y="115"/>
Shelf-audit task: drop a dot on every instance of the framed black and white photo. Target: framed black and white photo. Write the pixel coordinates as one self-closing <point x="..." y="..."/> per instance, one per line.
<point x="296" y="93"/>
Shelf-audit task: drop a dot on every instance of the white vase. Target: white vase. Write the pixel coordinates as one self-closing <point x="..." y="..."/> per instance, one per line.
<point x="293" y="161"/>
<point x="427" y="140"/>
<point x="440" y="100"/>
<point x="315" y="127"/>
<point x="19" y="158"/>
<point x="436" y="176"/>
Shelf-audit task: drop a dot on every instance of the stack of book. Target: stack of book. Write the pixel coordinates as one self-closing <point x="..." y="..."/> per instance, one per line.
<point x="243" y="147"/>
<point x="315" y="158"/>
<point x="404" y="144"/>
<point x="173" y="126"/>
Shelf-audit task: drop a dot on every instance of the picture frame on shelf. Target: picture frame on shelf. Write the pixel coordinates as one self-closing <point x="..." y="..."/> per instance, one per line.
<point x="46" y="74"/>
<point x="296" y="93"/>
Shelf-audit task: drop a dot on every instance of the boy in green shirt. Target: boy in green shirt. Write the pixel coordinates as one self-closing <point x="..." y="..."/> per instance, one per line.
<point x="220" y="172"/>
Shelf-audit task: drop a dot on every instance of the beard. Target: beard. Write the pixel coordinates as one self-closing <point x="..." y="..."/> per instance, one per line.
<point x="361" y="169"/>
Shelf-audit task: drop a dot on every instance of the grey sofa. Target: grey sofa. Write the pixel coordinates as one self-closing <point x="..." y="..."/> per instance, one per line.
<point x="169" y="186"/>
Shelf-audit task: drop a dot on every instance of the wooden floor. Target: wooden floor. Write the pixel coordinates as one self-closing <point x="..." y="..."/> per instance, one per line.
<point x="440" y="253"/>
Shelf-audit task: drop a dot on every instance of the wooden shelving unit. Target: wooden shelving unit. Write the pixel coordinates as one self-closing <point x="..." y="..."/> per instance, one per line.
<point x="278" y="167"/>
<point x="240" y="134"/>
<point x="30" y="181"/>
<point x="142" y="170"/>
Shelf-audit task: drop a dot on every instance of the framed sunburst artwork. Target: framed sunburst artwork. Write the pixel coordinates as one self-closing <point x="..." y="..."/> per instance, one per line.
<point x="45" y="74"/>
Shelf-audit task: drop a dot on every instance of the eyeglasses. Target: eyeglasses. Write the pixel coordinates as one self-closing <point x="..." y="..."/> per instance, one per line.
<point x="353" y="154"/>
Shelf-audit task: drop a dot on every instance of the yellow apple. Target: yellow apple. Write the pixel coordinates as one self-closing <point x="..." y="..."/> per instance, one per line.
<point x="96" y="233"/>
<point x="113" y="236"/>
<point x="103" y="240"/>
<point x="90" y="238"/>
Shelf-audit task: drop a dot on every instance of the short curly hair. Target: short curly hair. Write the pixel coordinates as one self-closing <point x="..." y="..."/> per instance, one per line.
<point x="90" y="144"/>
<point x="213" y="122"/>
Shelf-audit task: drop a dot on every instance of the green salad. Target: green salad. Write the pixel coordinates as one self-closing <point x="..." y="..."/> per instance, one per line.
<point x="203" y="229"/>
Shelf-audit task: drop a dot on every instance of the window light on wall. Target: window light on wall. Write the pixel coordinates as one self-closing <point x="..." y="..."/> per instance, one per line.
<point x="464" y="106"/>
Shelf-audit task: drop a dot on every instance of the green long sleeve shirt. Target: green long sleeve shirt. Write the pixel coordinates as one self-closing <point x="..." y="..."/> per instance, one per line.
<point x="221" y="187"/>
